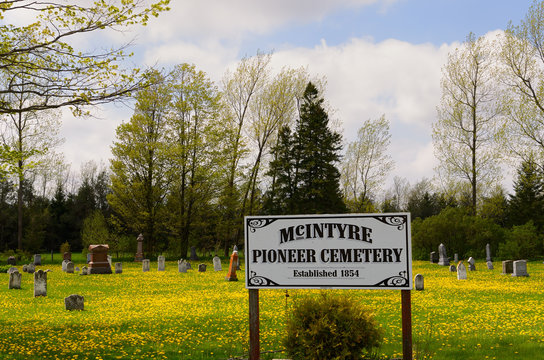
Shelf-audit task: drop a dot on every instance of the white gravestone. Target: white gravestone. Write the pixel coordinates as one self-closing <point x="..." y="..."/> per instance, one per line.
<point x="182" y="266"/>
<point x="15" y="280"/>
<point x="37" y="259"/>
<point x="70" y="267"/>
<point x="145" y="265"/>
<point x="118" y="268"/>
<point x="64" y="262"/>
<point x="488" y="253"/>
<point x="471" y="264"/>
<point x="217" y="263"/>
<point x="461" y="271"/>
<point x="40" y="283"/>
<point x="161" y="263"/>
<point x="520" y="268"/>
<point x="443" y="259"/>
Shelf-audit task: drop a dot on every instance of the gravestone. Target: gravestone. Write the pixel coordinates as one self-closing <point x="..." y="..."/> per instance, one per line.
<point x="189" y="267"/>
<point x="217" y="263"/>
<point x="201" y="267"/>
<point x="145" y="265"/>
<point x="418" y="281"/>
<point x="471" y="264"/>
<point x="235" y="248"/>
<point x="67" y="256"/>
<point x="25" y="268"/>
<point x="64" y="263"/>
<point x="507" y="267"/>
<point x="489" y="265"/>
<point x="88" y="257"/>
<point x="520" y="268"/>
<point x="37" y="259"/>
<point x="30" y="268"/>
<point x="488" y="253"/>
<point x="194" y="256"/>
<point x="231" y="275"/>
<point x="443" y="259"/>
<point x="109" y="261"/>
<point x="182" y="266"/>
<point x="12" y="269"/>
<point x="77" y="269"/>
<point x="118" y="268"/>
<point x="70" y="267"/>
<point x="139" y="251"/>
<point x="456" y="258"/>
<point x="99" y="260"/>
<point x="15" y="280"/>
<point x="461" y="271"/>
<point x="12" y="261"/>
<point x="40" y="283"/>
<point x="161" y="263"/>
<point x="73" y="302"/>
<point x="83" y="271"/>
<point x="434" y="257"/>
<point x="453" y="268"/>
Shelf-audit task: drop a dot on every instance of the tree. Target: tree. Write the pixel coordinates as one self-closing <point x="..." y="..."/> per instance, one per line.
<point x="464" y="134"/>
<point x="140" y="164"/>
<point x="366" y="164"/>
<point x="40" y="57"/>
<point x="196" y="135"/>
<point x="527" y="202"/>
<point x="523" y="77"/>
<point x="306" y="167"/>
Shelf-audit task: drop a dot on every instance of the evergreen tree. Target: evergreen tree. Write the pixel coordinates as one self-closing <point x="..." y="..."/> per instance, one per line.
<point x="527" y="203"/>
<point x="305" y="179"/>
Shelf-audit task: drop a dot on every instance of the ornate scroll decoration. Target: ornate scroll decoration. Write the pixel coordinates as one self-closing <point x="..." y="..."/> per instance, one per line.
<point x="255" y="224"/>
<point x="398" y="221"/>
<point x="255" y="280"/>
<point x="395" y="281"/>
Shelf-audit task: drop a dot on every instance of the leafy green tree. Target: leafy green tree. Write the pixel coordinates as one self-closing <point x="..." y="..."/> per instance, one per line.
<point x="366" y="164"/>
<point x="464" y="135"/>
<point x="521" y="242"/>
<point x="527" y="202"/>
<point x="95" y="230"/>
<point x="140" y="165"/>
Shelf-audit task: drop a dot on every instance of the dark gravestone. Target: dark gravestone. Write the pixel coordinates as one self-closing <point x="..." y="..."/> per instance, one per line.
<point x="139" y="250"/>
<point x="194" y="256"/>
<point x="99" y="260"/>
<point x="73" y="302"/>
<point x="12" y="261"/>
<point x="434" y="257"/>
<point x="67" y="256"/>
<point x="507" y="267"/>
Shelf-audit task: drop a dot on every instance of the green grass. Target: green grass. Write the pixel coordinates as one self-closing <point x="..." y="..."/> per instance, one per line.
<point x="168" y="315"/>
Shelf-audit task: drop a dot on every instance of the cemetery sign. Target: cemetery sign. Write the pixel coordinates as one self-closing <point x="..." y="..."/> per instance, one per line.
<point x="352" y="251"/>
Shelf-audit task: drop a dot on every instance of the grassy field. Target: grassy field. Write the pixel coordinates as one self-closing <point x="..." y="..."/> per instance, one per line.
<point x="168" y="315"/>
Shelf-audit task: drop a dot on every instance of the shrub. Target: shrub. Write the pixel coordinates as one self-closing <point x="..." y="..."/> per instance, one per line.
<point x="65" y="247"/>
<point x="522" y="242"/>
<point x="330" y="327"/>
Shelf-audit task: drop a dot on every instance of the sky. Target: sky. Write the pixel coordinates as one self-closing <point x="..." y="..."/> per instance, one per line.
<point x="380" y="57"/>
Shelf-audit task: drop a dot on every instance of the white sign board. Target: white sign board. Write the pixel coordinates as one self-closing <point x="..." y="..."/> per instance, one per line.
<point x="352" y="251"/>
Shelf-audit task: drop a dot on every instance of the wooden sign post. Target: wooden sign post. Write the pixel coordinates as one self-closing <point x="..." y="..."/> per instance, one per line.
<point x="348" y="251"/>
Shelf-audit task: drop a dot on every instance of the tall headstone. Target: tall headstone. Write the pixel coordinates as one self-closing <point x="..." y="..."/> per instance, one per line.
<point x="99" y="260"/>
<point x="109" y="261"/>
<point x="434" y="257"/>
<point x="40" y="283"/>
<point x="217" y="263"/>
<point x="443" y="258"/>
<point x="70" y="267"/>
<point x="520" y="268"/>
<point x="489" y="265"/>
<point x="488" y="253"/>
<point x="67" y="256"/>
<point x="456" y="258"/>
<point x="161" y="263"/>
<point x="201" y="267"/>
<point x="194" y="256"/>
<point x="37" y="259"/>
<point x="139" y="251"/>
<point x="418" y="282"/>
<point x="15" y="280"/>
<point x="471" y="264"/>
<point x="182" y="266"/>
<point x="235" y="248"/>
<point x="12" y="261"/>
<point x="507" y="267"/>
<point x="231" y="275"/>
<point x="461" y="271"/>
<point x="145" y="265"/>
<point x="74" y="302"/>
<point x="118" y="268"/>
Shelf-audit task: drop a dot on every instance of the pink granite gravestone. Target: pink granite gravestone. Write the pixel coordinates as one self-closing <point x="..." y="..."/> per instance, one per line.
<point x="99" y="260"/>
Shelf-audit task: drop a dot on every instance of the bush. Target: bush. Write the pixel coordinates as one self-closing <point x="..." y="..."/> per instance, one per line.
<point x="522" y="242"/>
<point x="330" y="327"/>
<point x="65" y="247"/>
